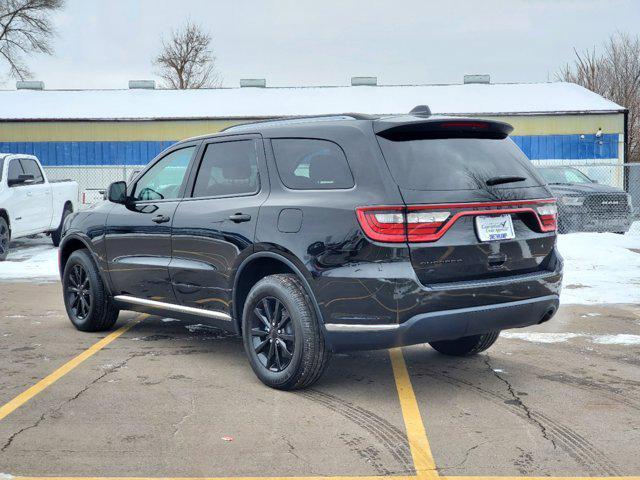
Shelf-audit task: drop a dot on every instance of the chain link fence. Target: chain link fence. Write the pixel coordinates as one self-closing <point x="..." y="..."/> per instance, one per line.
<point x="594" y="197"/>
<point x="93" y="180"/>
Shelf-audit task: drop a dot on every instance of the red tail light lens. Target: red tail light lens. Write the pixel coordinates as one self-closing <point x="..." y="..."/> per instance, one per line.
<point x="548" y="217"/>
<point x="422" y="225"/>
<point x="383" y="224"/>
<point x="428" y="223"/>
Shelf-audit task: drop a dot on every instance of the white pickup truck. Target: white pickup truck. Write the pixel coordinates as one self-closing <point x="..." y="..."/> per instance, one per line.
<point x="29" y="202"/>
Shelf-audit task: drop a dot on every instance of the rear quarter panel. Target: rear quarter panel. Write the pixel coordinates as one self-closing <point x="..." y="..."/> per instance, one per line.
<point x="342" y="267"/>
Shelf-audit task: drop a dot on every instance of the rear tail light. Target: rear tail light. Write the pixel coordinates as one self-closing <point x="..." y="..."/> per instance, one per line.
<point x="427" y="223"/>
<point x="422" y="225"/>
<point x="383" y="224"/>
<point x="548" y="215"/>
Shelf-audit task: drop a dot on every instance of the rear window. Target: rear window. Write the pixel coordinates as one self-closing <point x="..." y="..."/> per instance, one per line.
<point x="308" y="164"/>
<point x="456" y="163"/>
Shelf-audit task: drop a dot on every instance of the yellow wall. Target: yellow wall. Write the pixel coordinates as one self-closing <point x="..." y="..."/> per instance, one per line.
<point x="156" y="130"/>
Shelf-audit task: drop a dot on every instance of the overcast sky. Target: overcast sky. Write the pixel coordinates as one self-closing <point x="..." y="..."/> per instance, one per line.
<point x="104" y="43"/>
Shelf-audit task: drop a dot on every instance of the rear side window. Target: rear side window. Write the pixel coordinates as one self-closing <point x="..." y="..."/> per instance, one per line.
<point x="456" y="163"/>
<point x="228" y="168"/>
<point x="31" y="167"/>
<point x="306" y="164"/>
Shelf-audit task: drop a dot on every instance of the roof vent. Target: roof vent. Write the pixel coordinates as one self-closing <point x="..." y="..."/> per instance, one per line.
<point x="142" y="84"/>
<point x="359" y="81"/>
<point x="486" y="78"/>
<point x="253" y="82"/>
<point x="421" y="111"/>
<point x="30" y="85"/>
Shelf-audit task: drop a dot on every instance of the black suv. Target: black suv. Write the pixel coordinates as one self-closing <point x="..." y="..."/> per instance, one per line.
<point x="314" y="235"/>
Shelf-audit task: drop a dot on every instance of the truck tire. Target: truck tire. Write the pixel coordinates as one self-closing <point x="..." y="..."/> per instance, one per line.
<point x="88" y="304"/>
<point x="5" y="239"/>
<point x="282" y="335"/>
<point x="56" y="235"/>
<point x="466" y="346"/>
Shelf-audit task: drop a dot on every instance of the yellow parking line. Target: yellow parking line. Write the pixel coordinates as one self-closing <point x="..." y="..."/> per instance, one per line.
<point x="31" y="392"/>
<point x="418" y="442"/>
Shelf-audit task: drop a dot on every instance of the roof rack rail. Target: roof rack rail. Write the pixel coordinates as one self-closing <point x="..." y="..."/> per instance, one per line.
<point x="293" y="120"/>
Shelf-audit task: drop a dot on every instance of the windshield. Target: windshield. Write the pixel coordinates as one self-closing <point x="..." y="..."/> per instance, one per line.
<point x="562" y="175"/>
<point x="456" y="163"/>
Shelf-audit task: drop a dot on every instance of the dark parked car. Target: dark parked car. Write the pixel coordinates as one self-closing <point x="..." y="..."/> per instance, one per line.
<point x="586" y="206"/>
<point x="314" y="235"/>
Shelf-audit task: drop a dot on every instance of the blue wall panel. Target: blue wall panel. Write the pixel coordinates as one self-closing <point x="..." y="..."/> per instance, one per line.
<point x="568" y="147"/>
<point x="536" y="147"/>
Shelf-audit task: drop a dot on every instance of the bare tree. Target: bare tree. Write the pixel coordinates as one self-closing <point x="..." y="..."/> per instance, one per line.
<point x="187" y="61"/>
<point x="25" y="28"/>
<point x="614" y="74"/>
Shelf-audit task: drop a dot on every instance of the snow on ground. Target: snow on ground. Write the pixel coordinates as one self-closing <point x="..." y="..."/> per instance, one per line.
<point x="30" y="259"/>
<point x="599" y="267"/>
<point x="545" y="337"/>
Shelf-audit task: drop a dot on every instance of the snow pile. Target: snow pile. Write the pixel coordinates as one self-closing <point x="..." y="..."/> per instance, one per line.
<point x="31" y="259"/>
<point x="601" y="267"/>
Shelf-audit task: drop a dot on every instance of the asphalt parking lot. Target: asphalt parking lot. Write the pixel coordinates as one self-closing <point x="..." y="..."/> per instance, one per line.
<point x="173" y="399"/>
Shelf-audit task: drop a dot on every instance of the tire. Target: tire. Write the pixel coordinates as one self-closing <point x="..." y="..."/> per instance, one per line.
<point x="81" y="280"/>
<point x="466" y="346"/>
<point x="279" y="318"/>
<point x="5" y="239"/>
<point x="56" y="235"/>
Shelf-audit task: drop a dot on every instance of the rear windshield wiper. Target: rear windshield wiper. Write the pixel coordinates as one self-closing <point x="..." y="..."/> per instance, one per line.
<point x="504" y="179"/>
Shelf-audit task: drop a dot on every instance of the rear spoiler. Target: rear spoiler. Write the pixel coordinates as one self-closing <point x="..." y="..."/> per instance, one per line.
<point x="441" y="128"/>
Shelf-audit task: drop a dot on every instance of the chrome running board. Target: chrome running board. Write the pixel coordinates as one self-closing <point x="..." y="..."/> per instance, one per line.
<point x="172" y="307"/>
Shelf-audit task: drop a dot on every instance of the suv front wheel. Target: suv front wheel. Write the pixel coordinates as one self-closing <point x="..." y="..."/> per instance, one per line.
<point x="86" y="299"/>
<point x="465" y="346"/>
<point x="282" y="335"/>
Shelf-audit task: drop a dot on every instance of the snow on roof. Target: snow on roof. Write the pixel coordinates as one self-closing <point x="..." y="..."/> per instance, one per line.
<point x="485" y="99"/>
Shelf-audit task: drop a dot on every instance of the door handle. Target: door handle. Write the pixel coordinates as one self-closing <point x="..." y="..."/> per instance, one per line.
<point x="239" y="217"/>
<point x="29" y="194"/>
<point x="161" y="219"/>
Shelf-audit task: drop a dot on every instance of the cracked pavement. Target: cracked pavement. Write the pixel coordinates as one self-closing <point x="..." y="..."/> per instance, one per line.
<point x="169" y="399"/>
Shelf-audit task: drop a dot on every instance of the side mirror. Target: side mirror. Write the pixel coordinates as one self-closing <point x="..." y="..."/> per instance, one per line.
<point x="595" y="181"/>
<point x="21" y="180"/>
<point x="117" y="192"/>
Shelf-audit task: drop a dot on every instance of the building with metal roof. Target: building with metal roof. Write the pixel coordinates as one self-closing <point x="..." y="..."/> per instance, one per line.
<point x="123" y="129"/>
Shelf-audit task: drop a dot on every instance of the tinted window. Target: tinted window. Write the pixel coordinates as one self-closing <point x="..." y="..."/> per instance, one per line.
<point x="31" y="167"/>
<point x="564" y="175"/>
<point x="228" y="168"/>
<point x="163" y="180"/>
<point x="456" y="163"/>
<point x="15" y="170"/>
<point x="305" y="164"/>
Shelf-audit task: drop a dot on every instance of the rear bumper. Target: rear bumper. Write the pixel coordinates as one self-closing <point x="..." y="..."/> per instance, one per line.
<point x="443" y="325"/>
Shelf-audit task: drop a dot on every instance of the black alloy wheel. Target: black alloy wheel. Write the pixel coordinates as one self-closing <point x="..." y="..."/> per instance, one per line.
<point x="272" y="334"/>
<point x="79" y="293"/>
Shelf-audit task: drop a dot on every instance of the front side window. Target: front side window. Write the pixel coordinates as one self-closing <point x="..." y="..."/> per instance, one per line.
<point x="164" y="179"/>
<point x="308" y="164"/>
<point x="228" y="168"/>
<point x="31" y="167"/>
<point x="15" y="170"/>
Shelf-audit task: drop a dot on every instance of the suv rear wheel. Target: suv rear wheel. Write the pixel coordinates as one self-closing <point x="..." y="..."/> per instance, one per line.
<point x="465" y="346"/>
<point x="281" y="334"/>
<point x="88" y="304"/>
